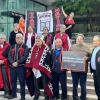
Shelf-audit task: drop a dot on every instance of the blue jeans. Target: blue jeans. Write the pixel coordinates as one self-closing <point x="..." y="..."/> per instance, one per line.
<point x="76" y="77"/>
<point x="20" y="72"/>
<point x="59" y="77"/>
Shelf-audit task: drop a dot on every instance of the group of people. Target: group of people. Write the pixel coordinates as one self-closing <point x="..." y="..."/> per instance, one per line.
<point x="29" y="58"/>
<point x="37" y="62"/>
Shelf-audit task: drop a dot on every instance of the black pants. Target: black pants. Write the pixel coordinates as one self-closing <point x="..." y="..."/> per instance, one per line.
<point x="7" y="87"/>
<point x="96" y="84"/>
<point x="56" y="78"/>
<point x="69" y="32"/>
<point x="76" y="77"/>
<point x="30" y="81"/>
<point x="20" y="72"/>
<point x="44" y="79"/>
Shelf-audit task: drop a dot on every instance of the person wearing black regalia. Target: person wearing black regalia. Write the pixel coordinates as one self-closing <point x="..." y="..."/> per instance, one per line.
<point x="12" y="35"/>
<point x="17" y="58"/>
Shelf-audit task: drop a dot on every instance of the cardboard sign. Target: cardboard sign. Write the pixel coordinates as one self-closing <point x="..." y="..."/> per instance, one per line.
<point x="72" y="60"/>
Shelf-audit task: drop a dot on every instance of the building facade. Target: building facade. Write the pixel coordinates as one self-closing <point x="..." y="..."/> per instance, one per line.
<point x="10" y="10"/>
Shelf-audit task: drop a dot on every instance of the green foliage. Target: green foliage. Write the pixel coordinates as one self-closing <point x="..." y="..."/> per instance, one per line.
<point x="80" y="7"/>
<point x="58" y="3"/>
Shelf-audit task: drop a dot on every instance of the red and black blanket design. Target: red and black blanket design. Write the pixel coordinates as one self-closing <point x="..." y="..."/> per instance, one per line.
<point x="39" y="58"/>
<point x="6" y="44"/>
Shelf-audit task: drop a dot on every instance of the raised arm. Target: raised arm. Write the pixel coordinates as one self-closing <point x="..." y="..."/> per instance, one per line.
<point x="64" y="12"/>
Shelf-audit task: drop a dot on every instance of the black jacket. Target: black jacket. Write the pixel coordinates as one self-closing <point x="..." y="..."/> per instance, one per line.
<point x="18" y="53"/>
<point x="12" y="37"/>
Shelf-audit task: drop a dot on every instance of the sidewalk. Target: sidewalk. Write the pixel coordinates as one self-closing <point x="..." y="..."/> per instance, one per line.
<point x="28" y="97"/>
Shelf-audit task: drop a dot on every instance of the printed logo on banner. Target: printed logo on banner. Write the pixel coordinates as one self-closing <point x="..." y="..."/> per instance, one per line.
<point x="44" y="19"/>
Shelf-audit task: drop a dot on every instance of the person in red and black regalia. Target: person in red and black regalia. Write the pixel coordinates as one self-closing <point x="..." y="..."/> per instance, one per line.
<point x="39" y="60"/>
<point x="4" y="66"/>
<point x="17" y="59"/>
<point x="66" y="44"/>
<point x="69" y="22"/>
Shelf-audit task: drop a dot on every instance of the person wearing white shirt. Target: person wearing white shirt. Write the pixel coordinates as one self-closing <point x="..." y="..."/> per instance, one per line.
<point x="30" y="37"/>
<point x="29" y="41"/>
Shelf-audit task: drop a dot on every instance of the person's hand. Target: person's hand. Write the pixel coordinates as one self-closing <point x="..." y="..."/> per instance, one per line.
<point x="15" y="64"/>
<point x="70" y="49"/>
<point x="98" y="60"/>
<point x="1" y="62"/>
<point x="33" y="69"/>
<point x="61" y="7"/>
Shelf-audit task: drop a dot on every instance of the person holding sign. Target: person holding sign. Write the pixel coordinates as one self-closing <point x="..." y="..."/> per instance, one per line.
<point x="58" y="75"/>
<point x="95" y="64"/>
<point x="77" y="75"/>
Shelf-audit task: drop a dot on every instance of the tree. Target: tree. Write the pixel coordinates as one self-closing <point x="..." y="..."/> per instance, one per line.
<point x="80" y="7"/>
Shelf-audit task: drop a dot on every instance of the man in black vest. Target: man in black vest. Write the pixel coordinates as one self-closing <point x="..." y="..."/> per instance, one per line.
<point x="95" y="64"/>
<point x="17" y="59"/>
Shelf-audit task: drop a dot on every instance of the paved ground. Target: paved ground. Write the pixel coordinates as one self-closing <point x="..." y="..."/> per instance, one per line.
<point x="18" y="97"/>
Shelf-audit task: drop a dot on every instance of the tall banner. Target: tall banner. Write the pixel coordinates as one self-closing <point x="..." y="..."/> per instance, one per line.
<point x="38" y="20"/>
<point x="44" y="19"/>
<point x="57" y="18"/>
<point x="31" y="20"/>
